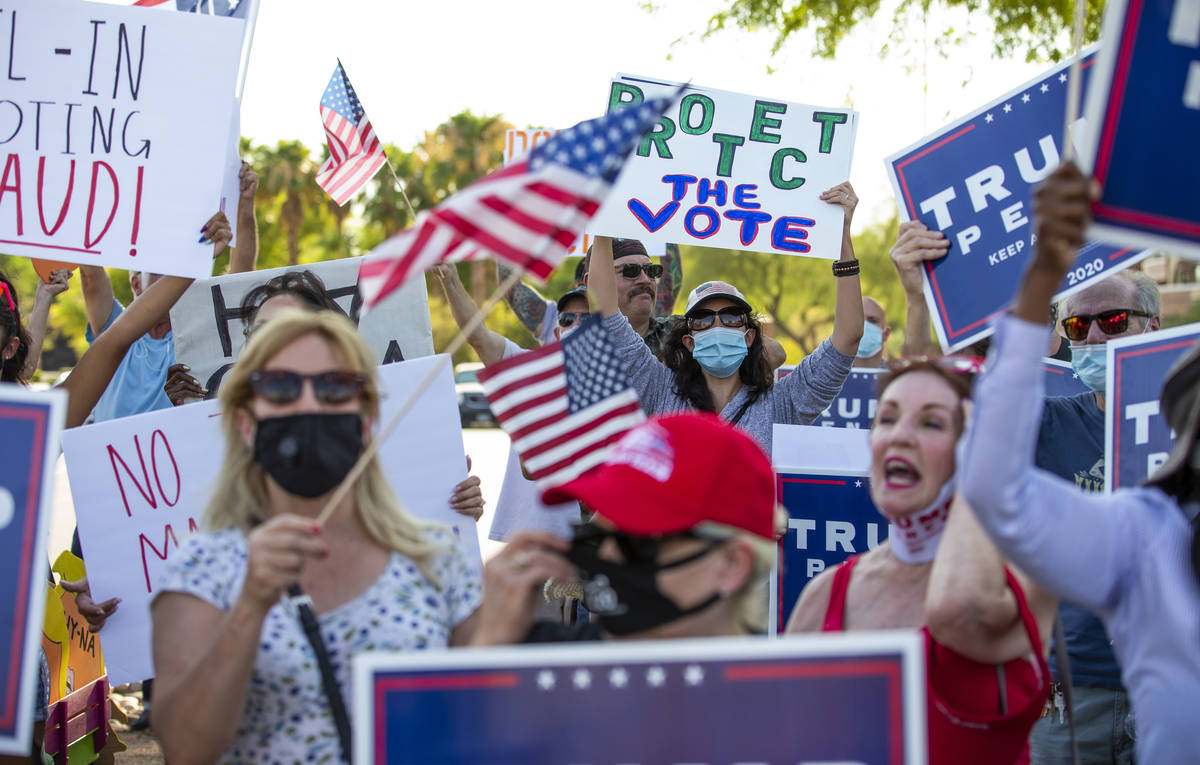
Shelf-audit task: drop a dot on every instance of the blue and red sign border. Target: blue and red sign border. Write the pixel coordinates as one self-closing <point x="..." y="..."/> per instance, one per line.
<point x="45" y="410"/>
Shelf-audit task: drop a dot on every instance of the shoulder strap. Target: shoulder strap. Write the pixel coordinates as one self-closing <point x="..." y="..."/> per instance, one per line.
<point x="337" y="706"/>
<point x="835" y="613"/>
<point x="741" y="410"/>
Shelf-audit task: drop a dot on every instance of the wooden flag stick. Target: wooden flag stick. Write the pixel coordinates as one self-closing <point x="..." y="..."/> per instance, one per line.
<point x="373" y="447"/>
<point x="1074" y="85"/>
<point x="399" y="185"/>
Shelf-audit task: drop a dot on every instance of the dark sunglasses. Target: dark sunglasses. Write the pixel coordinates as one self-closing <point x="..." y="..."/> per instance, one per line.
<point x="631" y="270"/>
<point x="570" y="317"/>
<point x="280" y="386"/>
<point x="1112" y="322"/>
<point x="704" y="318"/>
<point x="961" y="365"/>
<point x="635" y="550"/>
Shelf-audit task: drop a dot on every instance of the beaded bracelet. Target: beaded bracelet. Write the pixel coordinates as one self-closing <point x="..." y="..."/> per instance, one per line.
<point x="845" y="267"/>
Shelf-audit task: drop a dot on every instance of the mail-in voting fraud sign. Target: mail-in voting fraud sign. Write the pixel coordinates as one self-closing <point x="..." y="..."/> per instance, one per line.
<point x="974" y="182"/>
<point x="822" y="482"/>
<point x="31" y="423"/>
<point x="851" y="698"/>
<point x="114" y="127"/>
<point x="1137" y="439"/>
<point x="728" y="170"/>
<point x="141" y="485"/>
<point x="209" y="331"/>
<point x="1144" y="111"/>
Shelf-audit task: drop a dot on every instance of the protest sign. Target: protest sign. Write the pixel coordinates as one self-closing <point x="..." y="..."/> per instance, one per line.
<point x="729" y="170"/>
<point x="208" y="329"/>
<point x="973" y="180"/>
<point x="854" y="407"/>
<point x="115" y="127"/>
<point x="1147" y="83"/>
<point x="1061" y="380"/>
<point x="141" y="484"/>
<point x="849" y="698"/>
<point x="822" y="481"/>
<point x="31" y="422"/>
<point x="1137" y="439"/>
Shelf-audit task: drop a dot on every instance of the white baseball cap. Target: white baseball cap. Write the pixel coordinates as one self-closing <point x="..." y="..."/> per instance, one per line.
<point x="715" y="289"/>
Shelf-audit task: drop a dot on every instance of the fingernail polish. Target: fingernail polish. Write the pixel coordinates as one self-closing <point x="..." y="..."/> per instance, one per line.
<point x="316" y="528"/>
<point x="204" y="228"/>
<point x="203" y="240"/>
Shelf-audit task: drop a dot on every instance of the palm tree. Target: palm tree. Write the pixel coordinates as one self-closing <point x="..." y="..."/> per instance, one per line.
<point x="288" y="172"/>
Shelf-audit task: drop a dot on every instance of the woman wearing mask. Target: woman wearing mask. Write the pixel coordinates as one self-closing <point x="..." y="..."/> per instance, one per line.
<point x="987" y="680"/>
<point x="713" y="361"/>
<point x="238" y="678"/>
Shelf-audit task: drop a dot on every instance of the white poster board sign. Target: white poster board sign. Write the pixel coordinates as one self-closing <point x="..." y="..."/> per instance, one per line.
<point x="208" y="329"/>
<point x="729" y="170"/>
<point x="115" y="125"/>
<point x="141" y="484"/>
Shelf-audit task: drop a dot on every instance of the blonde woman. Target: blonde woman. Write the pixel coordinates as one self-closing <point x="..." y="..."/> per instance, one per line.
<point x="237" y="679"/>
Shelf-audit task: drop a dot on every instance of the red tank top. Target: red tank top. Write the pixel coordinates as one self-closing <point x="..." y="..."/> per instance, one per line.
<point x="964" y="697"/>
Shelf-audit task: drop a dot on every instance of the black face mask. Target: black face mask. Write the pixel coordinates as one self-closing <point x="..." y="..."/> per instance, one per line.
<point x="625" y="596"/>
<point x="308" y="454"/>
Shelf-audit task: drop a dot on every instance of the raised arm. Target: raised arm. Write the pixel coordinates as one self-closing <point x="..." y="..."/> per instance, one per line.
<point x="487" y="344"/>
<point x="99" y="363"/>
<point x="601" y="277"/>
<point x="245" y="254"/>
<point x="525" y="301"/>
<point x="915" y="244"/>
<point x="38" y="317"/>
<point x="1081" y="546"/>
<point x="848" y="310"/>
<point x="97" y="297"/>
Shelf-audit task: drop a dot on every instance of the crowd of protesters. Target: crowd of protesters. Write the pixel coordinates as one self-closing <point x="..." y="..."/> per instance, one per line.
<point x="999" y="528"/>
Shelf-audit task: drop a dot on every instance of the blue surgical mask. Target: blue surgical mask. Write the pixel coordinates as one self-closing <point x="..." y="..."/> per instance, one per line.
<point x="1090" y="362"/>
<point x="720" y="350"/>
<point x="872" y="340"/>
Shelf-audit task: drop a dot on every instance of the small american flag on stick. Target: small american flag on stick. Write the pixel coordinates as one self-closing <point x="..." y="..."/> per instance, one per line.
<point x="528" y="213"/>
<point x="355" y="153"/>
<point x="563" y="405"/>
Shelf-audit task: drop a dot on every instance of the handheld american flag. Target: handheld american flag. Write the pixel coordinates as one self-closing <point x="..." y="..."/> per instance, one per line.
<point x="355" y="153"/>
<point x="528" y="213"/>
<point x="563" y="405"/>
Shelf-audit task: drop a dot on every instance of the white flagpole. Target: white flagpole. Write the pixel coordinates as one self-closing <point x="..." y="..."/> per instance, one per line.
<point x="1074" y="85"/>
<point x="247" y="44"/>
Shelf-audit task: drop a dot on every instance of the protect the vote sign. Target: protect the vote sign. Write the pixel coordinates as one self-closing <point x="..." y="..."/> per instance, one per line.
<point x="208" y="326"/>
<point x="731" y="171"/>
<point x="114" y="131"/>
<point x="973" y="181"/>
<point x="31" y="422"/>
<point x="141" y="484"/>
<point x="1137" y="438"/>
<point x="852" y="698"/>
<point x="1144" y="109"/>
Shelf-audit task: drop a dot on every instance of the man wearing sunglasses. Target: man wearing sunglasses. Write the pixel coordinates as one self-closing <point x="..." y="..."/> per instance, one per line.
<point x="540" y="315"/>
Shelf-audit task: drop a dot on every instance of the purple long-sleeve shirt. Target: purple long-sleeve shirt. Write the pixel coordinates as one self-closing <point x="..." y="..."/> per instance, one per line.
<point x="1125" y="556"/>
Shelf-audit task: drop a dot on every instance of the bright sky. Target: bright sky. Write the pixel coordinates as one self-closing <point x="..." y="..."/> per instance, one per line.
<point x="547" y="63"/>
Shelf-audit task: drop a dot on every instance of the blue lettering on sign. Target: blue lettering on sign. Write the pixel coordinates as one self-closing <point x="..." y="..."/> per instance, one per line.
<point x="703" y="219"/>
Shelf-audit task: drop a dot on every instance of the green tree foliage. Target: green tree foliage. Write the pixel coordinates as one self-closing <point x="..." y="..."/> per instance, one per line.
<point x="1039" y="28"/>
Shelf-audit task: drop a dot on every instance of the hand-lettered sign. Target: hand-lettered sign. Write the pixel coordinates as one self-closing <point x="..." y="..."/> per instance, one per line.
<point x="974" y="180"/>
<point x="1137" y="439"/>
<point x="851" y="698"/>
<point x="114" y="130"/>
<point x="141" y="485"/>
<point x="1144" y="110"/>
<point x="31" y="422"/>
<point x="209" y="331"/>
<point x="729" y="170"/>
